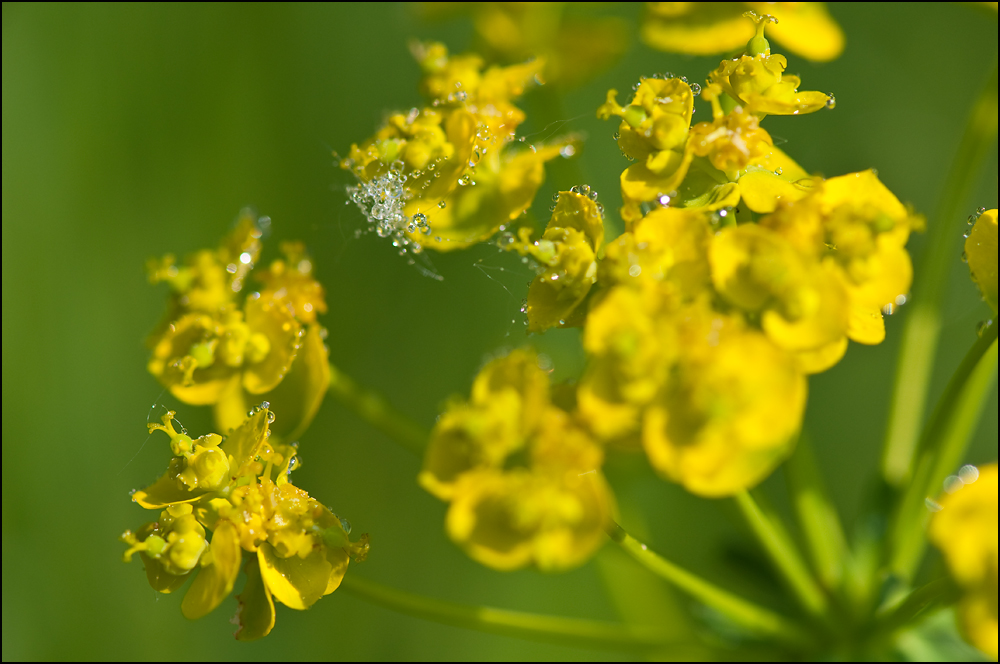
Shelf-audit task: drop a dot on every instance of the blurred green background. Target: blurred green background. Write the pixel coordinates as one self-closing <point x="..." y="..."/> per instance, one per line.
<point x="132" y="131"/>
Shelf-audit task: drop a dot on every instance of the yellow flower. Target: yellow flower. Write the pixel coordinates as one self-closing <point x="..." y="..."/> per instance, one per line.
<point x="631" y="344"/>
<point x="705" y="28"/>
<point x="757" y="81"/>
<point x="224" y="485"/>
<point x="653" y="131"/>
<point x="216" y="350"/>
<point x="802" y="304"/>
<point x="575" y="48"/>
<point x="856" y="224"/>
<point x="734" y="159"/>
<point x="523" y="480"/>
<point x="567" y="259"/>
<point x="981" y="254"/>
<point x="730" y="409"/>
<point x="965" y="529"/>
<point x="443" y="176"/>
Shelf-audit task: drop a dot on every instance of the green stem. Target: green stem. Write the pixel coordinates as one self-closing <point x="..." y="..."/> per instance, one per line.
<point x="573" y="632"/>
<point x="942" y="447"/>
<point x="816" y="514"/>
<point x="779" y="546"/>
<point x="936" y="594"/>
<point x="739" y="610"/>
<point x="923" y="322"/>
<point x="375" y="410"/>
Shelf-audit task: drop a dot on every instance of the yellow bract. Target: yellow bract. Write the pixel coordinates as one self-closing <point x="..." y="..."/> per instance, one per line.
<point x="965" y="529"/>
<point x="981" y="254"/>
<point x="445" y="176"/>
<point x="301" y="549"/>
<point x="217" y="349"/>
<point x="707" y="28"/>
<point x="523" y="479"/>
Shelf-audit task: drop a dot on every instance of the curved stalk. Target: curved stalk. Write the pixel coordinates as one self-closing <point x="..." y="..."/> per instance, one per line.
<point x="747" y="614"/>
<point x="923" y="321"/>
<point x="573" y="632"/>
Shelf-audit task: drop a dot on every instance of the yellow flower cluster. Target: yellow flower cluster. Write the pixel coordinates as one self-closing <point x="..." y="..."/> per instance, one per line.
<point x="737" y="276"/>
<point x="717" y="164"/>
<point x="217" y="348"/>
<point x="447" y="176"/>
<point x="711" y="28"/>
<point x="965" y="529"/>
<point x="300" y="549"/>
<point x="522" y="476"/>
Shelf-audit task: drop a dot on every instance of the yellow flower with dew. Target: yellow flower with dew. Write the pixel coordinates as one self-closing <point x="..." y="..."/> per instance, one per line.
<point x="301" y="549"/>
<point x="446" y="176"/>
<point x="575" y="46"/>
<point x="217" y="349"/>
<point x="653" y="132"/>
<point x="567" y="259"/>
<point x="730" y="409"/>
<point x="522" y="478"/>
<point x="981" y="254"/>
<point x="756" y="80"/>
<point x="965" y="530"/>
<point x="734" y="159"/>
<point x="709" y="28"/>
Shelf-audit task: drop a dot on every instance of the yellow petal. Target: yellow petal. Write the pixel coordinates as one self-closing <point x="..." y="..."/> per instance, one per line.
<point x="296" y="400"/>
<point x="708" y="29"/>
<point x="338" y="559"/>
<point x="276" y="322"/>
<point x="160" y="579"/>
<point x="232" y="406"/>
<point x="255" y="615"/>
<point x="804" y="28"/>
<point x="762" y="190"/>
<point x="981" y="253"/>
<point x="577" y="211"/>
<point x="820" y="359"/>
<point x="166" y="491"/>
<point x="243" y="443"/>
<point x="295" y="582"/>
<point x="865" y="325"/>
<point x="215" y="581"/>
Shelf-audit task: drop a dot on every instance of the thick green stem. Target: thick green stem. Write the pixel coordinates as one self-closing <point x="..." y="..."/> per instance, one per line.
<point x="817" y="515"/>
<point x="374" y="409"/>
<point x="923" y="320"/>
<point x="782" y="551"/>
<point x="942" y="447"/>
<point x="750" y="616"/>
<point x="575" y="632"/>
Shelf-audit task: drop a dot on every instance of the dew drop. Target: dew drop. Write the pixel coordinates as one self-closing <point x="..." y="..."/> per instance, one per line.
<point x="968" y="473"/>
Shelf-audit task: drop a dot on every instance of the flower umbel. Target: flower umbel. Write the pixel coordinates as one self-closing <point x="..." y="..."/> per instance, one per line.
<point x="522" y="478"/>
<point x="299" y="549"/>
<point x="221" y="349"/>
